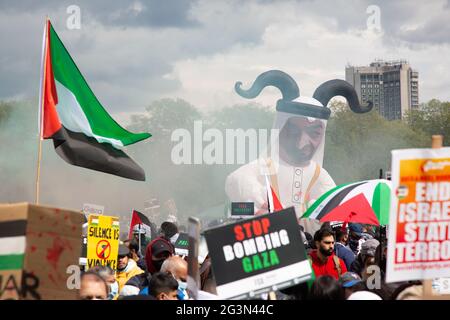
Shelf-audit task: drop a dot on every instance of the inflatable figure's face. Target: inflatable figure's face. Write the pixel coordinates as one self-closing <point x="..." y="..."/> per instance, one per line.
<point x="299" y="139"/>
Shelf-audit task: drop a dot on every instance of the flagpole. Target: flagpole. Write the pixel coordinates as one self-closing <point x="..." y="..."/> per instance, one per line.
<point x="41" y="109"/>
<point x="140" y="239"/>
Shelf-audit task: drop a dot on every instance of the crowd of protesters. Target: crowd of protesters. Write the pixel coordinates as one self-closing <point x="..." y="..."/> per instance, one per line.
<point x="348" y="263"/>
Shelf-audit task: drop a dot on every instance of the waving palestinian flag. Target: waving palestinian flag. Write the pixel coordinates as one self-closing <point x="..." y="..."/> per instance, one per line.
<point x="84" y="134"/>
<point x="360" y="202"/>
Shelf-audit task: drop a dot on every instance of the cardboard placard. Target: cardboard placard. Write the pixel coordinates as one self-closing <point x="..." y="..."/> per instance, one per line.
<point x="37" y="245"/>
<point x="102" y="241"/>
<point x="257" y="255"/>
<point x="419" y="232"/>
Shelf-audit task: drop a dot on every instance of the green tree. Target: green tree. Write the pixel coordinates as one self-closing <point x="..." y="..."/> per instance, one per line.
<point x="359" y="145"/>
<point x="431" y="118"/>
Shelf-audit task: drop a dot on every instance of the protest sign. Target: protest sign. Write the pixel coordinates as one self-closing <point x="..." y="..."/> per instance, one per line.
<point x="242" y="209"/>
<point x="38" y="245"/>
<point x="102" y="241"/>
<point x="419" y="237"/>
<point x="182" y="244"/>
<point x="89" y="208"/>
<point x="257" y="255"/>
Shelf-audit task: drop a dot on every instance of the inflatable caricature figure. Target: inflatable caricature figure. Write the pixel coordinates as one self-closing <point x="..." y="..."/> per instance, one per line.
<point x="292" y="166"/>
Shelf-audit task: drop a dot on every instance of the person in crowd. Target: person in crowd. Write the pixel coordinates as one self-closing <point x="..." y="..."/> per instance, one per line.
<point x="92" y="287"/>
<point x="178" y="268"/>
<point x="107" y="274"/>
<point x="350" y="283"/>
<point x="133" y="245"/>
<point x="169" y="231"/>
<point x="157" y="251"/>
<point x="323" y="260"/>
<point x="365" y="258"/>
<point x="364" y="295"/>
<point x="357" y="236"/>
<point x="341" y="249"/>
<point x="326" y="288"/>
<point x="126" y="267"/>
<point x="163" y="286"/>
<point x="411" y="290"/>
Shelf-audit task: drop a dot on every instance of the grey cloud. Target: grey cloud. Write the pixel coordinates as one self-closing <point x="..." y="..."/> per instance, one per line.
<point x="148" y="13"/>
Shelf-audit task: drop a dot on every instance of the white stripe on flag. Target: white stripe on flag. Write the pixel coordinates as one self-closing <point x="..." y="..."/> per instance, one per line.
<point x="269" y="195"/>
<point x="73" y="118"/>
<point x="12" y="245"/>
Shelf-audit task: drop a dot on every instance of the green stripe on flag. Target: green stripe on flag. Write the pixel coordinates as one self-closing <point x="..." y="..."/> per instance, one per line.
<point x="321" y="199"/>
<point x="11" y="262"/>
<point x="381" y="203"/>
<point x="67" y="73"/>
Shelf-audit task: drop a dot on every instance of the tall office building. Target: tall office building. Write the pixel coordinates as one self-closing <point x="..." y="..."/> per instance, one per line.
<point x="392" y="86"/>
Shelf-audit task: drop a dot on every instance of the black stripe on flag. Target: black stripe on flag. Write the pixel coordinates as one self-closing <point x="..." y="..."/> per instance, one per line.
<point x="337" y="199"/>
<point x="144" y="219"/>
<point x="13" y="228"/>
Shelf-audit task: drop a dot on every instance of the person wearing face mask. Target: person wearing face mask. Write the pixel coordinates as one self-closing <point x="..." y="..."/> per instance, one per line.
<point x="157" y="251"/>
<point x="323" y="260"/>
<point x="92" y="287"/>
<point x="163" y="286"/>
<point x="126" y="267"/>
<point x="177" y="267"/>
<point x="107" y="274"/>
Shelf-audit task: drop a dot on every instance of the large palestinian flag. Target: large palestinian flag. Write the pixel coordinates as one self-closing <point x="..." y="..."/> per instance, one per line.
<point x="84" y="134"/>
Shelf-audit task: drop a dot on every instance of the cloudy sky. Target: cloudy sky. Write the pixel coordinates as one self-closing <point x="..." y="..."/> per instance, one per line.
<point x="133" y="52"/>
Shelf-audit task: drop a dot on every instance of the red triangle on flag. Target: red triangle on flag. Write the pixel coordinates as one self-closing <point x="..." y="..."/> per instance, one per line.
<point x="135" y="219"/>
<point x="276" y="202"/>
<point x="356" y="209"/>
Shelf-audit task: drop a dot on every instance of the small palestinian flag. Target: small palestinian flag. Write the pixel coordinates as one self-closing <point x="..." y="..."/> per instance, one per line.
<point x="272" y="199"/>
<point x="115" y="223"/>
<point x="83" y="133"/>
<point x="139" y="219"/>
<point x="93" y="221"/>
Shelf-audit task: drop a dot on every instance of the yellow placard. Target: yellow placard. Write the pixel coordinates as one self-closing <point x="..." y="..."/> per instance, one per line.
<point x="102" y="241"/>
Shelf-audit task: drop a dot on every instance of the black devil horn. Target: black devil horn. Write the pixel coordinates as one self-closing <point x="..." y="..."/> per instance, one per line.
<point x="276" y="78"/>
<point x="337" y="87"/>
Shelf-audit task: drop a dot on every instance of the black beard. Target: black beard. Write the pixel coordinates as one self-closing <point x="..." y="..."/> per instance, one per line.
<point x="326" y="253"/>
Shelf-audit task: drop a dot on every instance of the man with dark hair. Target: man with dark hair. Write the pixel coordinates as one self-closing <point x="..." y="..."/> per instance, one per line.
<point x="169" y="231"/>
<point x="92" y="287"/>
<point x="341" y="249"/>
<point x="351" y="283"/>
<point x="323" y="260"/>
<point x="133" y="245"/>
<point x="126" y="267"/>
<point x="163" y="286"/>
<point x="326" y="288"/>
